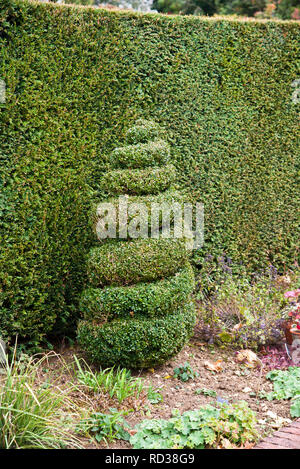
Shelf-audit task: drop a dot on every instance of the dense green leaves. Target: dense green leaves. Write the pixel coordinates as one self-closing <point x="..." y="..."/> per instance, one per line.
<point x="144" y="299"/>
<point x="141" y="260"/>
<point x="141" y="155"/>
<point x="198" y="429"/>
<point x="164" y="200"/>
<point x="143" y="131"/>
<point x="140" y="342"/>
<point x="138" y="181"/>
<point x="286" y="385"/>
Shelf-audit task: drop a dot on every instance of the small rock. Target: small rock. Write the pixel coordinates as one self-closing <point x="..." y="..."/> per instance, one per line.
<point x="271" y="414"/>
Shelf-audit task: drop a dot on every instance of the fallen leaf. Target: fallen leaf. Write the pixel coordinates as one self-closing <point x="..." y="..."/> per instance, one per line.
<point x="247" y="445"/>
<point x="261" y="422"/>
<point x="272" y="415"/>
<point x="226" y="444"/>
<point x="216" y="366"/>
<point x="249" y="358"/>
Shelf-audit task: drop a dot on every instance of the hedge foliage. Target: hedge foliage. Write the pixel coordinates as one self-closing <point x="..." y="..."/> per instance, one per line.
<point x="140" y="342"/>
<point x="144" y="299"/>
<point x="77" y="78"/>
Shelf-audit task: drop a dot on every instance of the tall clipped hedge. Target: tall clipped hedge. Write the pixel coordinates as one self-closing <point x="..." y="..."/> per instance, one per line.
<point x="146" y="314"/>
<point x="76" y="78"/>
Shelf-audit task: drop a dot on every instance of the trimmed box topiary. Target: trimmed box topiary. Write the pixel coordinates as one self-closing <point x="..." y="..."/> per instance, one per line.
<point x="141" y="260"/>
<point x="140" y="342"/>
<point x="141" y="155"/>
<point x="143" y="131"/>
<point x="144" y="299"/>
<point x="171" y="197"/>
<point x="138" y="181"/>
<point x="143" y="315"/>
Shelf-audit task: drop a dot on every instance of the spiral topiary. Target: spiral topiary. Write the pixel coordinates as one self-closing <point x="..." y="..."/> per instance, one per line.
<point x="137" y="310"/>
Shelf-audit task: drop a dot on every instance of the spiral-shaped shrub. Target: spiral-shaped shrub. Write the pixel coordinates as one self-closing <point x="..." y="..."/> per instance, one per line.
<point x="137" y="310"/>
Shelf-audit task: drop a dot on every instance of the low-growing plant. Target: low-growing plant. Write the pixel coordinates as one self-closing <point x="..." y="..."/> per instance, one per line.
<point x="32" y="411"/>
<point x="295" y="407"/>
<point x="107" y="427"/>
<point x="198" y="429"/>
<point x="117" y="382"/>
<point x="185" y="372"/>
<point x="286" y="385"/>
<point x="154" y="396"/>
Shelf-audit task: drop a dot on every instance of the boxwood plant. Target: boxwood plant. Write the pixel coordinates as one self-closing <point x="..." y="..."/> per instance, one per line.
<point x="137" y="309"/>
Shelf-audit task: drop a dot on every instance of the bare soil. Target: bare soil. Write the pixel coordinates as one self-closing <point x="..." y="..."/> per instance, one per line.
<point x="236" y="381"/>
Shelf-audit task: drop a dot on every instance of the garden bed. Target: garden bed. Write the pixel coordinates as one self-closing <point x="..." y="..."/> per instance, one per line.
<point x="235" y="382"/>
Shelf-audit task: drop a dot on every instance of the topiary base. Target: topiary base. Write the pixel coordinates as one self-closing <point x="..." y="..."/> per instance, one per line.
<point x="137" y="343"/>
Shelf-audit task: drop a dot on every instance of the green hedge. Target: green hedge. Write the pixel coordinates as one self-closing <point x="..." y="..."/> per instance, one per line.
<point x="77" y="78"/>
<point x="138" y="181"/>
<point x="140" y="260"/>
<point x="144" y="299"/>
<point x="137" y="343"/>
<point x="141" y="155"/>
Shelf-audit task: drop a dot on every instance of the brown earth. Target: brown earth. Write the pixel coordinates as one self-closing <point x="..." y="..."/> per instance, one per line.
<point x="236" y="381"/>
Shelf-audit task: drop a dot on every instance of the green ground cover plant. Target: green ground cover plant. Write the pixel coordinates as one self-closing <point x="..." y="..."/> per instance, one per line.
<point x="198" y="429"/>
<point x="185" y="372"/>
<point x="154" y="396"/>
<point x="107" y="427"/>
<point x="286" y="385"/>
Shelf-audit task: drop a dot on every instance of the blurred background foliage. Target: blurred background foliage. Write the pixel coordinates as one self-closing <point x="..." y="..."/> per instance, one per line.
<point x="281" y="9"/>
